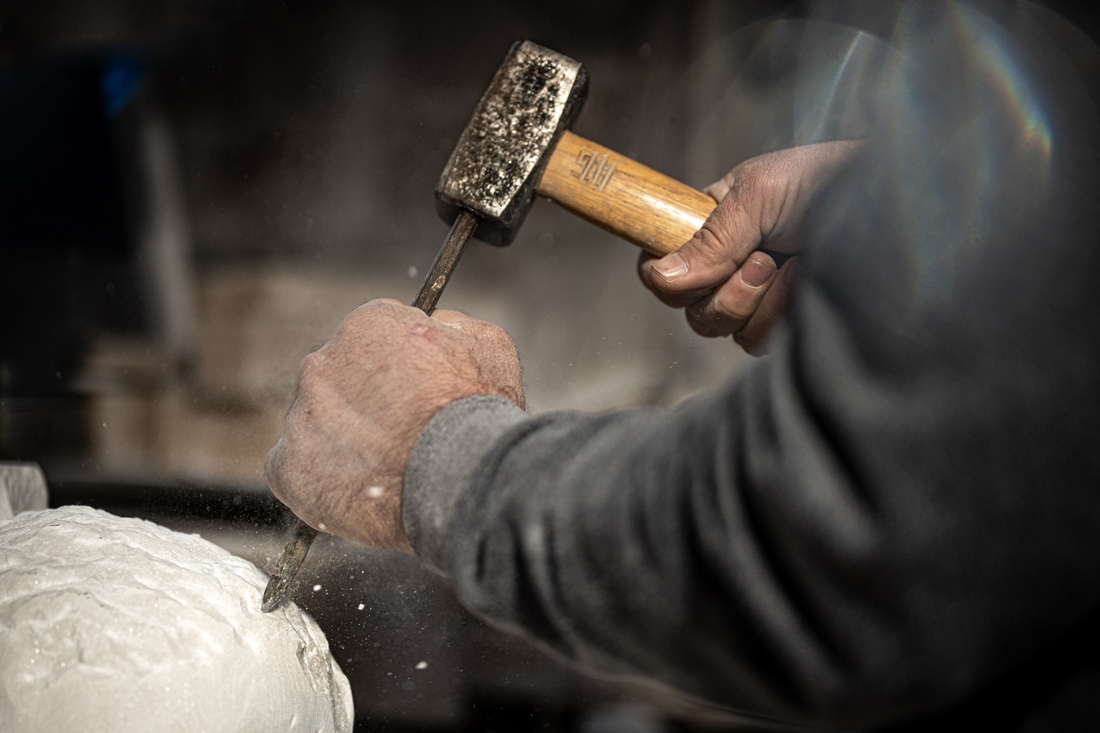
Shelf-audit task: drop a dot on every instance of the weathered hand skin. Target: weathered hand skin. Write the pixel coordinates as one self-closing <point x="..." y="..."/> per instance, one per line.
<point x="725" y="286"/>
<point x="363" y="400"/>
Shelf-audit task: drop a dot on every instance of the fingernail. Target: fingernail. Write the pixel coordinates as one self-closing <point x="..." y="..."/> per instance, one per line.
<point x="757" y="270"/>
<point x="671" y="266"/>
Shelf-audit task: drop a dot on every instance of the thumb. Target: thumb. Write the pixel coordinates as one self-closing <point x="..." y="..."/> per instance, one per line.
<point x="729" y="235"/>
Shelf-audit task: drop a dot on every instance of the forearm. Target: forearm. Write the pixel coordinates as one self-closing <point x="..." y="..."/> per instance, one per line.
<point x="744" y="550"/>
<point x="897" y="506"/>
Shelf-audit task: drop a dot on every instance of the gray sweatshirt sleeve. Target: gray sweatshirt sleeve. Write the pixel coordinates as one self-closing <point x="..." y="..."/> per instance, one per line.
<point x="898" y="504"/>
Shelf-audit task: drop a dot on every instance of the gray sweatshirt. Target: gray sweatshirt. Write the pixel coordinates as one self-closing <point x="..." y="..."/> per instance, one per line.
<point x="900" y="507"/>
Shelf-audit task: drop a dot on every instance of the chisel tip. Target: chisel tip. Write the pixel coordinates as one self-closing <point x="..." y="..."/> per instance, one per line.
<point x="294" y="554"/>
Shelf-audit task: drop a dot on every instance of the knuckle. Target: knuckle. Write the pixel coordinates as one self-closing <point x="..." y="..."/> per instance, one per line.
<point x="727" y="306"/>
<point x="718" y="189"/>
<point x="725" y="312"/>
<point x="311" y="370"/>
<point x="758" y="179"/>
<point x="731" y="183"/>
<point x="731" y="231"/>
<point x="273" y="473"/>
<point x="366" y="316"/>
<point x="706" y="322"/>
<point x="270" y="469"/>
<point x="746" y="177"/>
<point x="360" y="318"/>
<point x="712" y="242"/>
<point x="497" y="335"/>
<point x="760" y="185"/>
<point x="487" y="334"/>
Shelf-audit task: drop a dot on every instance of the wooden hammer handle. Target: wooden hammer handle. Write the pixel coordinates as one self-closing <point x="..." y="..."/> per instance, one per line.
<point x="619" y="194"/>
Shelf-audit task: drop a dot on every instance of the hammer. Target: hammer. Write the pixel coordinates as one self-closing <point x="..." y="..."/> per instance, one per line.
<point x="517" y="144"/>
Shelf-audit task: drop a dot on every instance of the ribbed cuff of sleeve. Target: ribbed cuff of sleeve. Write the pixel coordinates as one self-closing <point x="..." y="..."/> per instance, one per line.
<point x="444" y="467"/>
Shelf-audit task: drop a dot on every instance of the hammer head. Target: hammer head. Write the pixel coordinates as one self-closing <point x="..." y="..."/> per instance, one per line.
<point x="495" y="168"/>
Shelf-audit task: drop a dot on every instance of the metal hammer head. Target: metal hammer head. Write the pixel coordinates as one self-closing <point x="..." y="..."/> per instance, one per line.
<point x="493" y="171"/>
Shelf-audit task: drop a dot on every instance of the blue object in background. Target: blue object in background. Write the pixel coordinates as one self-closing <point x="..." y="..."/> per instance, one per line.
<point x="121" y="80"/>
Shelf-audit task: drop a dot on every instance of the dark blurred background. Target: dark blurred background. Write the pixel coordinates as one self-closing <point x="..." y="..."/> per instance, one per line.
<point x="194" y="192"/>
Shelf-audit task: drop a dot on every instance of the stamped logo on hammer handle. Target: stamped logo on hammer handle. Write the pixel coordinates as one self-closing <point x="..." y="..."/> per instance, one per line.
<point x="593" y="168"/>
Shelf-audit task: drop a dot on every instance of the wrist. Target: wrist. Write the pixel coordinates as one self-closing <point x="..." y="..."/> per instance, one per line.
<point x="446" y="464"/>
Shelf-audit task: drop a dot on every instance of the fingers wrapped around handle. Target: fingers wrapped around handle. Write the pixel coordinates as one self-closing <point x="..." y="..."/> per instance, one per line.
<point x="734" y="276"/>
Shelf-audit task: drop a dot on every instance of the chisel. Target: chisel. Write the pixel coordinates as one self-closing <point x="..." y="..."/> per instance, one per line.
<point x="302" y="536"/>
